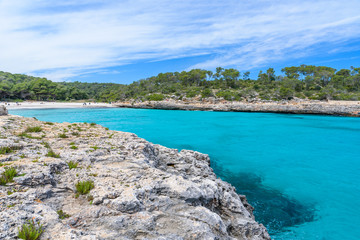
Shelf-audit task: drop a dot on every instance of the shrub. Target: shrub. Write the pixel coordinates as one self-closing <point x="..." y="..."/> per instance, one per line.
<point x="63" y="135"/>
<point x="84" y="187"/>
<point x="33" y="129"/>
<point x="74" y="147"/>
<point x="92" y="124"/>
<point x="72" y="164"/>
<point x="286" y="93"/>
<point x="192" y="93"/>
<point x="49" y="123"/>
<point x="206" y="93"/>
<point x="155" y="97"/>
<point x="30" y="230"/>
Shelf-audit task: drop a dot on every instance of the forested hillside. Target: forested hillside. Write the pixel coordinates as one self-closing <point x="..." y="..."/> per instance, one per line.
<point x="305" y="81"/>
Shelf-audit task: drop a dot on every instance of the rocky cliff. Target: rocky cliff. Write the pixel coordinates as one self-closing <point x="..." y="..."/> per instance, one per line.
<point x="3" y="110"/>
<point x="135" y="189"/>
<point x="302" y="107"/>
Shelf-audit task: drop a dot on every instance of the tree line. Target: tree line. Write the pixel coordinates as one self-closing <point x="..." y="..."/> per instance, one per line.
<point x="305" y="81"/>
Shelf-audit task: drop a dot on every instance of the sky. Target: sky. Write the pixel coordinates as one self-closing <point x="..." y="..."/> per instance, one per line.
<point x="124" y="41"/>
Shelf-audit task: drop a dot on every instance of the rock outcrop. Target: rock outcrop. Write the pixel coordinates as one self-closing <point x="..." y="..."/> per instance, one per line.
<point x="141" y="190"/>
<point x="3" y="110"/>
<point x="300" y="107"/>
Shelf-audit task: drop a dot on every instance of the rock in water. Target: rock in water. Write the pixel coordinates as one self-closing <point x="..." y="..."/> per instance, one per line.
<point x="3" y="110"/>
<point x="140" y="190"/>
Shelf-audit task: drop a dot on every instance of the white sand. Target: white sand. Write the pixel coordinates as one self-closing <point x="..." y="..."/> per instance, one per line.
<point x="49" y="105"/>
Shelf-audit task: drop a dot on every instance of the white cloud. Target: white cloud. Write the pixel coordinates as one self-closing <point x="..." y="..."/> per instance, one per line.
<point x="61" y="40"/>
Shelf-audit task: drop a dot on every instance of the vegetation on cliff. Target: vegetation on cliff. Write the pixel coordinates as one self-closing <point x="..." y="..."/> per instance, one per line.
<point x="305" y="81"/>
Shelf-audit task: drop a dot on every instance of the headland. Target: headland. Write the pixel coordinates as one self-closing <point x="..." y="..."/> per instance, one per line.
<point x="84" y="181"/>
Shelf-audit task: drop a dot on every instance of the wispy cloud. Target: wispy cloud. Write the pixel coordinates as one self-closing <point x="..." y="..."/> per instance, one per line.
<point x="63" y="39"/>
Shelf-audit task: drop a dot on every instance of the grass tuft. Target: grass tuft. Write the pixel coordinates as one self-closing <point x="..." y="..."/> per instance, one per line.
<point x="72" y="164"/>
<point x="6" y="150"/>
<point x="33" y="129"/>
<point x="84" y="187"/>
<point x="30" y="230"/>
<point x="52" y="154"/>
<point x="24" y="134"/>
<point x="8" y="175"/>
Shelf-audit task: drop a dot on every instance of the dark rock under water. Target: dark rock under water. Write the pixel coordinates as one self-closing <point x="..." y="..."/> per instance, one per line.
<point x="272" y="208"/>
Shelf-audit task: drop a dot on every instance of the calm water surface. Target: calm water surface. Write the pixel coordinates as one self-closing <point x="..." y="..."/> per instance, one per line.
<point x="300" y="172"/>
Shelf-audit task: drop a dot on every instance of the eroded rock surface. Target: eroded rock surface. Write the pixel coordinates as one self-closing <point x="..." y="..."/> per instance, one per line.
<point x="3" y="110"/>
<point x="142" y="190"/>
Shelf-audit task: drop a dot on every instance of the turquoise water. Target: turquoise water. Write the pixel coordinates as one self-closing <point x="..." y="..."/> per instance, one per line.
<point x="300" y="172"/>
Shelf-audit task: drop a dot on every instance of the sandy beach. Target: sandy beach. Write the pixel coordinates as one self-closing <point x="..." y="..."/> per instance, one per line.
<point x="49" y="105"/>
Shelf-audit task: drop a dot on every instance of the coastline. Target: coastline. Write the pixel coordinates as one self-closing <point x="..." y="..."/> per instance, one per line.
<point x="140" y="189"/>
<point x="337" y="108"/>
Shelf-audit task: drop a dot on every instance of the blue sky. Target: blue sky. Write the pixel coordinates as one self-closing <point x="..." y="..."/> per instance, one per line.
<point x="123" y="41"/>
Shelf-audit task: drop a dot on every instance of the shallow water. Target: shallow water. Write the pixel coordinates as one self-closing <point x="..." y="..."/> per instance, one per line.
<point x="300" y="172"/>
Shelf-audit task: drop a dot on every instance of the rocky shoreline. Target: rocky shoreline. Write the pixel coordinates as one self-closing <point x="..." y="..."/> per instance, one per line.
<point x="339" y="108"/>
<point x="140" y="190"/>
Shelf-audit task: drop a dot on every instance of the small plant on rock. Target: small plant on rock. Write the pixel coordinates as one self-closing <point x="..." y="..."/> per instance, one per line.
<point x="84" y="187"/>
<point x="33" y="129"/>
<point x="46" y="144"/>
<point x="52" y="154"/>
<point x="8" y="176"/>
<point x="6" y="150"/>
<point x="31" y="230"/>
<point x="72" y="164"/>
<point x="63" y="135"/>
<point x="75" y="134"/>
<point x="62" y="214"/>
<point x="24" y="134"/>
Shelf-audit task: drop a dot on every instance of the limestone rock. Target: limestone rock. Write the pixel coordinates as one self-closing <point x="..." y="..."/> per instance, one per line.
<point x="3" y="110"/>
<point x="141" y="190"/>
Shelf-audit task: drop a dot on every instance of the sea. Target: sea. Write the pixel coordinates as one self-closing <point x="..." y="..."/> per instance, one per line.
<point x="301" y="173"/>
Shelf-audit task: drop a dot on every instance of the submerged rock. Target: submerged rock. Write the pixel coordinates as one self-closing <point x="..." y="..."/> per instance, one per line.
<point x="141" y="190"/>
